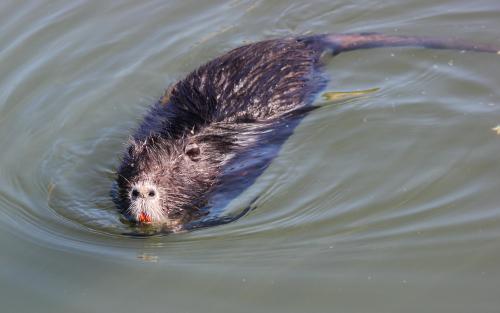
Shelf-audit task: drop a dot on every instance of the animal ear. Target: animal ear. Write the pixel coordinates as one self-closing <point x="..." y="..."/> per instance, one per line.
<point x="192" y="150"/>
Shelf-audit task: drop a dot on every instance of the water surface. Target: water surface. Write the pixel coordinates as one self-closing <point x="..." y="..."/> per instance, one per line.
<point x="384" y="203"/>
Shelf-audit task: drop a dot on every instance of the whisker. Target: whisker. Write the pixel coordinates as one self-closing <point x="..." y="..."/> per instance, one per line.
<point x="128" y="181"/>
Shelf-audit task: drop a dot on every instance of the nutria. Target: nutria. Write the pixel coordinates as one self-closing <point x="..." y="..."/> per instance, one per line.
<point x="236" y="109"/>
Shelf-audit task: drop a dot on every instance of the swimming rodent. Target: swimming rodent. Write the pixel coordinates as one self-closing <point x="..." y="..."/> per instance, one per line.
<point x="221" y="125"/>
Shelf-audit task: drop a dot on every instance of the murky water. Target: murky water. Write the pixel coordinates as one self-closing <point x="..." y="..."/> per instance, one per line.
<point x="384" y="203"/>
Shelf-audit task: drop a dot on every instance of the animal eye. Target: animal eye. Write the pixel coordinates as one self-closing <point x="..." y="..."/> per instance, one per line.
<point x="192" y="151"/>
<point x="151" y="193"/>
<point x="135" y="193"/>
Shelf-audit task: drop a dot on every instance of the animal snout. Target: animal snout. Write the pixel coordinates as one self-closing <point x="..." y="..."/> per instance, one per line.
<point x="143" y="192"/>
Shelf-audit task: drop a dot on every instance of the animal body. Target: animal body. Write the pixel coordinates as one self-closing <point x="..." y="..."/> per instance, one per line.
<point x="218" y="128"/>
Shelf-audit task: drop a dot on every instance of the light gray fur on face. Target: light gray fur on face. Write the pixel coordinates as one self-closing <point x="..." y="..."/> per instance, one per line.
<point x="146" y="198"/>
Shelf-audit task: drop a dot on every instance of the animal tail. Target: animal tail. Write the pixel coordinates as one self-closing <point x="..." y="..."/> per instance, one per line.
<point x="348" y="42"/>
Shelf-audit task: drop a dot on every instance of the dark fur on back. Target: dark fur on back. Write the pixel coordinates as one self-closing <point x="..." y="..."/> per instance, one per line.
<point x="253" y="82"/>
<point x="222" y="112"/>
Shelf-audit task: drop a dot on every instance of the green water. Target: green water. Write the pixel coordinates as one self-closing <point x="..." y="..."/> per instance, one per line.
<point x="388" y="202"/>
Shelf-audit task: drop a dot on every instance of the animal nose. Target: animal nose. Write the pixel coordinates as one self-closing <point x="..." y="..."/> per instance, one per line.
<point x="143" y="192"/>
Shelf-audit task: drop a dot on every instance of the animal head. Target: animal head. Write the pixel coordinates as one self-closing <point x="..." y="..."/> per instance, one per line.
<point x="166" y="181"/>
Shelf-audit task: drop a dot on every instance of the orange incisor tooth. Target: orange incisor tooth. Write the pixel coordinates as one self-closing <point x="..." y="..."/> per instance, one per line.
<point x="144" y="218"/>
